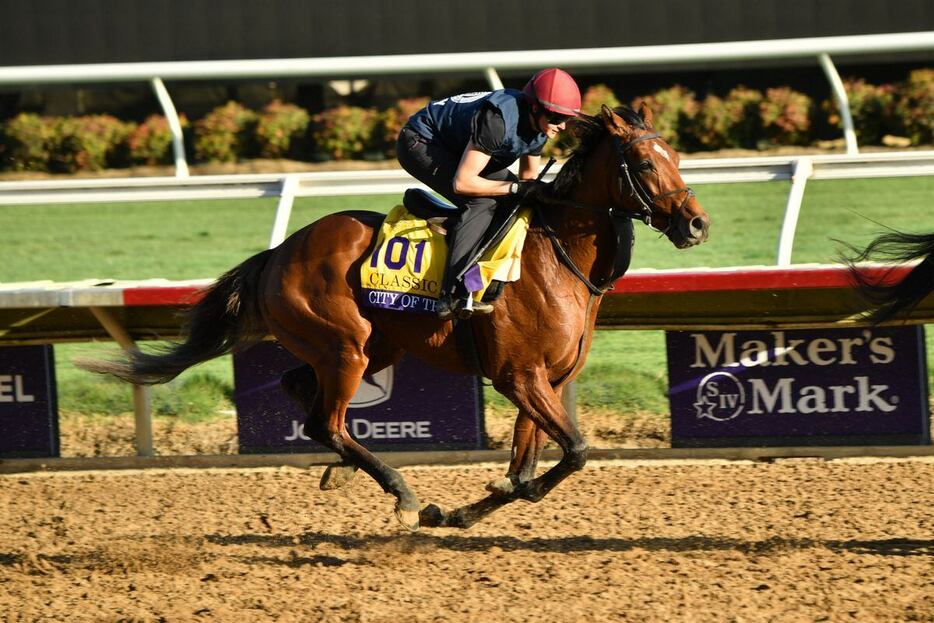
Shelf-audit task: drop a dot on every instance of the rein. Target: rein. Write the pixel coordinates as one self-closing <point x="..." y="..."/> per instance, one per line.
<point x="646" y="203"/>
<point x="619" y="266"/>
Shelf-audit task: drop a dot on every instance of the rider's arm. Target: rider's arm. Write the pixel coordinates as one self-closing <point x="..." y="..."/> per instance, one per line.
<point x="467" y="180"/>
<point x="487" y="134"/>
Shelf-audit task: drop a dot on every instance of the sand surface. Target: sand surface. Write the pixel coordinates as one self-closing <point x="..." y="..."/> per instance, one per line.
<point x="797" y="540"/>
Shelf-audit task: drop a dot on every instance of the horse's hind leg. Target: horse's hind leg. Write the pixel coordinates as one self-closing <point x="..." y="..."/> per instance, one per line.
<point x="301" y="384"/>
<point x="339" y="371"/>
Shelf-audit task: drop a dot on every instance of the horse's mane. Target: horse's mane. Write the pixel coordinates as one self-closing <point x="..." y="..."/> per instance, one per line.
<point x="589" y="131"/>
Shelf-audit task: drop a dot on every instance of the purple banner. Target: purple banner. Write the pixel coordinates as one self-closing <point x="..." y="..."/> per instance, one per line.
<point x="28" y="402"/>
<point x="409" y="406"/>
<point x="802" y="387"/>
<point x="398" y="301"/>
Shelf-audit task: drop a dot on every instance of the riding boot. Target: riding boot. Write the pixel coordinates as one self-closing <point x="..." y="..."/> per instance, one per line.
<point x="463" y="240"/>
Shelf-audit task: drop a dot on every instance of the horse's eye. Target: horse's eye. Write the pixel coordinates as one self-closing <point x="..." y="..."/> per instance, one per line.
<point x="646" y="165"/>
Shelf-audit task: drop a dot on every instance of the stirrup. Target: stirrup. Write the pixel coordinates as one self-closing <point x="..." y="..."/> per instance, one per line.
<point x="470" y="307"/>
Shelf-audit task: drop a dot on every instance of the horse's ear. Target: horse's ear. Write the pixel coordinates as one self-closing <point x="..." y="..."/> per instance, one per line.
<point x="646" y="113"/>
<point x="612" y="121"/>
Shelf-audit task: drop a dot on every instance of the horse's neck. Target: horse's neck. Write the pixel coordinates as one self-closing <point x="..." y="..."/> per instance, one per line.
<point x="585" y="232"/>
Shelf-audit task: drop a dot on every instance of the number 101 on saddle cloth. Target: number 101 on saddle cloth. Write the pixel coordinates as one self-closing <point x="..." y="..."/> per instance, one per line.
<point x="405" y="270"/>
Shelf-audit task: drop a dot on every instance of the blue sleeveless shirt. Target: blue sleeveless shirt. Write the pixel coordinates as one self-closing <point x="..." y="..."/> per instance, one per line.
<point x="450" y="122"/>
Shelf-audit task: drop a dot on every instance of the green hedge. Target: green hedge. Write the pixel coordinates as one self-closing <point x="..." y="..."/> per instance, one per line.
<point x="744" y="118"/>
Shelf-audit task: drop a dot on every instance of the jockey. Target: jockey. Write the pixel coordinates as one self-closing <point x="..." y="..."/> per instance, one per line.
<point x="461" y="146"/>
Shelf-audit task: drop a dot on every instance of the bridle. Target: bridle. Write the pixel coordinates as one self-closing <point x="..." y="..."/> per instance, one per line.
<point x="646" y="202"/>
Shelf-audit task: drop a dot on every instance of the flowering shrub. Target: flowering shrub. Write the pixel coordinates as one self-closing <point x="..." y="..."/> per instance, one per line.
<point x="915" y="106"/>
<point x="281" y="130"/>
<point x="150" y="143"/>
<point x="743" y="118"/>
<point x="344" y="132"/>
<point x="673" y="111"/>
<point x="785" y="115"/>
<point x="225" y="133"/>
<point x="596" y="96"/>
<point x="729" y="122"/>
<point x="872" y="108"/>
<point x="393" y="119"/>
<point x="26" y="142"/>
<point x="89" y="143"/>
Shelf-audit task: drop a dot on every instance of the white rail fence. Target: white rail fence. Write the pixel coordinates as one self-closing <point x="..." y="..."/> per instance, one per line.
<point x="488" y="63"/>
<point x="797" y="169"/>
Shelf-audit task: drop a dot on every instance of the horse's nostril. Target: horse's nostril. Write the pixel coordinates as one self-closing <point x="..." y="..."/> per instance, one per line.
<point x="698" y="225"/>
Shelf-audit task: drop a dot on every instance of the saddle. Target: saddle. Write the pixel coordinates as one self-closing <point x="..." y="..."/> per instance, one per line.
<point x="437" y="211"/>
<point x="405" y="268"/>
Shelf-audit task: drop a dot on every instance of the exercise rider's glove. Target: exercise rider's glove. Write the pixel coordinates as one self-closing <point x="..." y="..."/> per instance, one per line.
<point x="524" y="188"/>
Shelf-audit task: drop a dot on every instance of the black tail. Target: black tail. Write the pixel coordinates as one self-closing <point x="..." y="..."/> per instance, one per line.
<point x="887" y="299"/>
<point x="227" y="316"/>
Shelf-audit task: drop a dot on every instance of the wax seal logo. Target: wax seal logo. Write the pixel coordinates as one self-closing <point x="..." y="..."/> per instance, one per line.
<point x="720" y="397"/>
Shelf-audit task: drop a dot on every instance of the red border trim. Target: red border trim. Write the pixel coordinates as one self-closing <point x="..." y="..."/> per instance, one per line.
<point x="768" y="279"/>
<point x="635" y="283"/>
<point x="171" y="295"/>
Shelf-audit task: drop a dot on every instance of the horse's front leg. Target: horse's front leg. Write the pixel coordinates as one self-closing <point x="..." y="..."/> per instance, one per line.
<point x="536" y="398"/>
<point x="535" y="395"/>
<point x="528" y="441"/>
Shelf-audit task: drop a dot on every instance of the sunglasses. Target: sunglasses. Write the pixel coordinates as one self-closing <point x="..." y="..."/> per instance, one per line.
<point x="555" y="118"/>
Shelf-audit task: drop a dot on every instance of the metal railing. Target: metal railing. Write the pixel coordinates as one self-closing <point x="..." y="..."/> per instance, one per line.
<point x="797" y="169"/>
<point x="488" y="63"/>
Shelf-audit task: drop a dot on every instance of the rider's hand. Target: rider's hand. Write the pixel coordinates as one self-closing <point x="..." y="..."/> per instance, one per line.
<point x="524" y="188"/>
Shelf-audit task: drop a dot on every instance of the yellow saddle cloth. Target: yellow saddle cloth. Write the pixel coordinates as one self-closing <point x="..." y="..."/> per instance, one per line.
<point x="405" y="270"/>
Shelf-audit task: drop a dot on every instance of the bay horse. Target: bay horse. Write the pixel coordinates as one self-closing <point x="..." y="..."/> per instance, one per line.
<point x="886" y="298"/>
<point x="306" y="294"/>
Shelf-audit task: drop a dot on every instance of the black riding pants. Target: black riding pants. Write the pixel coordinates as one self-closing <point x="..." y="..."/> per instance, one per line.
<point x="432" y="164"/>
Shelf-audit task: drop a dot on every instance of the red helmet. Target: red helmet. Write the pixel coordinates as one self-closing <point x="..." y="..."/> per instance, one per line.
<point x="556" y="91"/>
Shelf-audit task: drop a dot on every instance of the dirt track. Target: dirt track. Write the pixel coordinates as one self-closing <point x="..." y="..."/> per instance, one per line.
<point x="802" y="540"/>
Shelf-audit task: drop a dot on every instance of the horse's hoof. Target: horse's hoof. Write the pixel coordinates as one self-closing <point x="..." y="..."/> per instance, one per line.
<point x="408" y="518"/>
<point x="432" y="516"/>
<point x="337" y="475"/>
<point x="502" y="487"/>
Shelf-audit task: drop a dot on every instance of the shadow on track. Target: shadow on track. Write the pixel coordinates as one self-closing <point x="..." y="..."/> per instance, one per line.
<point x="572" y="544"/>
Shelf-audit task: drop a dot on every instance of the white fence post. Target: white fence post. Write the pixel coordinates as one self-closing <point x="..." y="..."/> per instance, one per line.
<point x="801" y="172"/>
<point x="142" y="400"/>
<point x="283" y="210"/>
<point x="171" y="115"/>
<point x="493" y="78"/>
<point x="843" y="102"/>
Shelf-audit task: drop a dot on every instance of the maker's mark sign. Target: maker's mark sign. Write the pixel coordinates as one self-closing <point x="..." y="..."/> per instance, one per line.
<point x="803" y="387"/>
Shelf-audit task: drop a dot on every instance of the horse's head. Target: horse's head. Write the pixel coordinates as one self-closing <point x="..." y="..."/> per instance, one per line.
<point x="649" y="184"/>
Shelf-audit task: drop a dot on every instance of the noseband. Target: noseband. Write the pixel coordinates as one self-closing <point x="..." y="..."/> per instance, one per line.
<point x="637" y="190"/>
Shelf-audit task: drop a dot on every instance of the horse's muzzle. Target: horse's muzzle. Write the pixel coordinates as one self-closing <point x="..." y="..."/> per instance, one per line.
<point x="691" y="231"/>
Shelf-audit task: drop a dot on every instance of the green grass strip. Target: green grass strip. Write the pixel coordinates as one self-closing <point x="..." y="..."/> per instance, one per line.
<point x="626" y="370"/>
